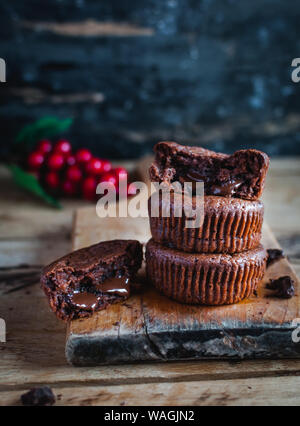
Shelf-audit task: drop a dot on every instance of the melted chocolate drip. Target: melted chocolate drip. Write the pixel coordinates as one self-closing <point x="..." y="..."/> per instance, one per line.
<point x="118" y="285"/>
<point x="85" y="300"/>
<point x="227" y="188"/>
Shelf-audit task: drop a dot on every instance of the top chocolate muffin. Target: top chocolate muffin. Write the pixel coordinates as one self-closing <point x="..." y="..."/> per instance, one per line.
<point x="240" y="175"/>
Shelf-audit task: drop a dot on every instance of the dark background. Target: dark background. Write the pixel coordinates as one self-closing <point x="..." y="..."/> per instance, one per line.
<point x="131" y="72"/>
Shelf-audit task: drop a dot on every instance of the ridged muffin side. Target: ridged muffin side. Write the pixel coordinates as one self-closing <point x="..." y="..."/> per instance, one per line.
<point x="230" y="225"/>
<point x="214" y="279"/>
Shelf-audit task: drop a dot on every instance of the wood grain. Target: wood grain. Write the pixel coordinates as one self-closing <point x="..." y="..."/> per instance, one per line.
<point x="253" y="392"/>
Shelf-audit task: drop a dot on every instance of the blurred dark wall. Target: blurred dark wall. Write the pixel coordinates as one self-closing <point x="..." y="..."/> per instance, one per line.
<point x="131" y="72"/>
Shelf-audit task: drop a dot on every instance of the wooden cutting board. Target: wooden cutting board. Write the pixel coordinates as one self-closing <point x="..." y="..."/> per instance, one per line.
<point x="148" y="326"/>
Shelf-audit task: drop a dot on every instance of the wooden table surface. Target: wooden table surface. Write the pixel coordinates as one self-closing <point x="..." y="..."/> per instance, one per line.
<point x="32" y="234"/>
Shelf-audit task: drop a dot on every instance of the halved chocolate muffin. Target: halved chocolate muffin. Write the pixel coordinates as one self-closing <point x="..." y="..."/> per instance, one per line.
<point x="91" y="278"/>
<point x="240" y="175"/>
<point x="230" y="225"/>
<point x="204" y="279"/>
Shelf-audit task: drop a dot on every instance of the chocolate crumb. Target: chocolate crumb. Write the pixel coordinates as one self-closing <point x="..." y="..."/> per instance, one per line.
<point x="38" y="397"/>
<point x="273" y="256"/>
<point x="283" y="286"/>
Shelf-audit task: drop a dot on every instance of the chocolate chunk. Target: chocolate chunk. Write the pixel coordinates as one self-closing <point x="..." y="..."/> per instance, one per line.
<point x="92" y="278"/>
<point x="283" y="286"/>
<point x="240" y="175"/>
<point x="38" y="397"/>
<point x="273" y="256"/>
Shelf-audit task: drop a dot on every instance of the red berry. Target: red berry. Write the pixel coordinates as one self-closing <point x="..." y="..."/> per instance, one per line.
<point x="35" y="160"/>
<point x="70" y="160"/>
<point x="106" y="166"/>
<point x="89" y="188"/>
<point x="69" y="188"/>
<point x="89" y="183"/>
<point x="44" y="146"/>
<point x="52" y="180"/>
<point x="83" y="155"/>
<point x="121" y="173"/>
<point x="74" y="174"/>
<point x="94" y="167"/>
<point x="55" y="161"/>
<point x="110" y="177"/>
<point x="63" y="147"/>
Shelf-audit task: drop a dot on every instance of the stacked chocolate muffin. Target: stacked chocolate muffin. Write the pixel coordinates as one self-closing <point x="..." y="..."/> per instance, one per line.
<point x="222" y="261"/>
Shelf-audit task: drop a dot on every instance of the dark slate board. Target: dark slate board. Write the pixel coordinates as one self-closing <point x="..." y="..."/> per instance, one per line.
<point x="215" y="73"/>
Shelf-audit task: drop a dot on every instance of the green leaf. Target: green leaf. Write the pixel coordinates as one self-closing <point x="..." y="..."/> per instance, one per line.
<point x="30" y="183"/>
<point x="46" y="127"/>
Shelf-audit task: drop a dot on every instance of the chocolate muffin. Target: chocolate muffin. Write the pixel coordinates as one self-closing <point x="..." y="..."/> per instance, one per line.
<point x="92" y="278"/>
<point x="205" y="279"/>
<point x="230" y="225"/>
<point x="240" y="175"/>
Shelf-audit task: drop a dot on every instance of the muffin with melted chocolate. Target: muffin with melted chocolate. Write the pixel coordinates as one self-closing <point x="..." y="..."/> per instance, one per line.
<point x="240" y="175"/>
<point x="90" y="279"/>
